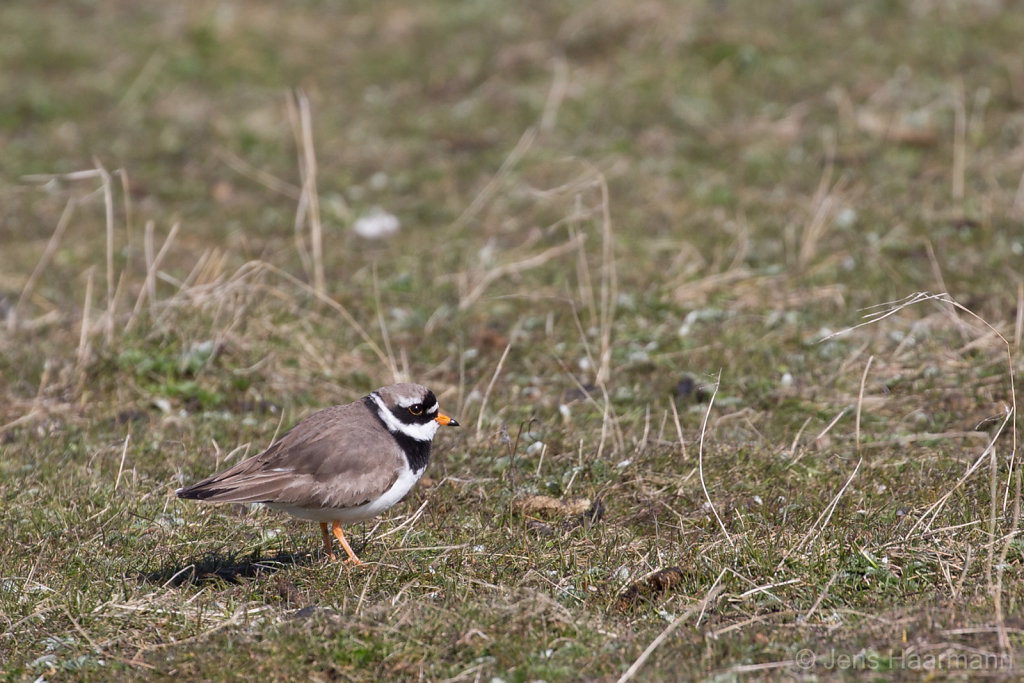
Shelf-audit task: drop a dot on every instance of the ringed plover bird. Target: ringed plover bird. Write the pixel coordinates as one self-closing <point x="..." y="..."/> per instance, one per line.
<point x="340" y="465"/>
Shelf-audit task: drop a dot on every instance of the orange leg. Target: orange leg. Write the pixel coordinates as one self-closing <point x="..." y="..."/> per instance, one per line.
<point x="340" y="535"/>
<point x="327" y="541"/>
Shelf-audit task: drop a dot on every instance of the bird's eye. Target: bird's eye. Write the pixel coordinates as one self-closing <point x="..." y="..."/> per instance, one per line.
<point x="416" y="409"/>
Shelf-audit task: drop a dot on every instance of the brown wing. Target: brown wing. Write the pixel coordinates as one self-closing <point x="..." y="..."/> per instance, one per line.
<point x="337" y="458"/>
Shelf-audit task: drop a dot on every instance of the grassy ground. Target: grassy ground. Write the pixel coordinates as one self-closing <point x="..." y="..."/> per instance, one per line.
<point x="627" y="230"/>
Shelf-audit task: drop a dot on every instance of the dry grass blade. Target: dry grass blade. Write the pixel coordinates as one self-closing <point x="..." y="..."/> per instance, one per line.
<point x="108" y="204"/>
<point x="152" y="268"/>
<point x="823" y="519"/>
<point x="1002" y="566"/>
<point x="124" y="454"/>
<point x="822" y="207"/>
<point x="515" y="268"/>
<point x="821" y="597"/>
<point x="638" y="664"/>
<point x="556" y="94"/>
<point x="679" y="429"/>
<point x="1018" y="326"/>
<point x="44" y="262"/>
<point x="309" y="204"/>
<point x="832" y="423"/>
<point x="860" y="401"/>
<point x="609" y="286"/>
<point x="992" y="512"/>
<point x="82" y="355"/>
<point x="925" y="521"/>
<point x="518" y="152"/>
<point x="700" y="459"/>
<point x="880" y="312"/>
<point x="396" y="375"/>
<point x="337" y="307"/>
<point x="655" y="644"/>
<point x="959" y="171"/>
<point x="267" y="180"/>
<point x="490" y="386"/>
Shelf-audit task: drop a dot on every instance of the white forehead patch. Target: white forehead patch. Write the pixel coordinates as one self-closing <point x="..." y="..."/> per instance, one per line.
<point x="406" y="401"/>
<point x="432" y="409"/>
<point x="419" y="432"/>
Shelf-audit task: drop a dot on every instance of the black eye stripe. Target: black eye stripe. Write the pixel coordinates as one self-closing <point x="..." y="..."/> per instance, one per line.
<point x="417" y="413"/>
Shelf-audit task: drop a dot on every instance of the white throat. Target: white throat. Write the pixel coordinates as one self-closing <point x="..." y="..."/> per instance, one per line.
<point x="419" y="432"/>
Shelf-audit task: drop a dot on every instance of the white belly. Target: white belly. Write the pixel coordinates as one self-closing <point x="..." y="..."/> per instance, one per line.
<point x="358" y="513"/>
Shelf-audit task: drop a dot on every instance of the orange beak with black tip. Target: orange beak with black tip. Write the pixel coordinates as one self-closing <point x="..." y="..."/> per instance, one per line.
<point x="445" y="421"/>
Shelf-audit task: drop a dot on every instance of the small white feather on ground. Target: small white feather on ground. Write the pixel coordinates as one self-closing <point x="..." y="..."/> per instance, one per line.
<point x="376" y="225"/>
